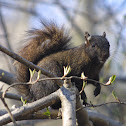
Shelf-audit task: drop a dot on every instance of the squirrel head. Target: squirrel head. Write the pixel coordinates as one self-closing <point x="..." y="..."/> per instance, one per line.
<point x="97" y="47"/>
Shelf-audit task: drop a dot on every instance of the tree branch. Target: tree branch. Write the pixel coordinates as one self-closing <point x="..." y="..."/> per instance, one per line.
<point x="68" y="100"/>
<point x="28" y="63"/>
<point x="7" y="77"/>
<point x="11" y="96"/>
<point x="26" y="112"/>
<point x="30" y="108"/>
<point x="9" y="111"/>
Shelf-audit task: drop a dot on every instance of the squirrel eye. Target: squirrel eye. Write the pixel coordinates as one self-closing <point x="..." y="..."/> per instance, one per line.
<point x="93" y="45"/>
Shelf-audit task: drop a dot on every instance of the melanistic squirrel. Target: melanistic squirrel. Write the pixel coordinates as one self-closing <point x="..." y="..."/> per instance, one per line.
<point x="48" y="48"/>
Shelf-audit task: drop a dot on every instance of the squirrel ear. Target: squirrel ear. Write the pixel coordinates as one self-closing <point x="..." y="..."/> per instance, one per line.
<point x="104" y="34"/>
<point x="87" y="37"/>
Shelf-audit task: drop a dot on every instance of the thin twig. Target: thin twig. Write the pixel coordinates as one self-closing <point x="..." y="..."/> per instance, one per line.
<point x="72" y="77"/>
<point x="15" y="84"/>
<point x="8" y="110"/>
<point x="55" y="78"/>
<point x="99" y="105"/>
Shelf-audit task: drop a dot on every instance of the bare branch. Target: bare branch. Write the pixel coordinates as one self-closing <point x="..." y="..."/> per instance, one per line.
<point x="9" y="111"/>
<point x="25" y="112"/>
<point x="27" y="63"/>
<point x="68" y="100"/>
<point x="11" y="96"/>
<point x="98" y="105"/>
<point x="37" y="115"/>
<point x="31" y="107"/>
<point x="7" y="77"/>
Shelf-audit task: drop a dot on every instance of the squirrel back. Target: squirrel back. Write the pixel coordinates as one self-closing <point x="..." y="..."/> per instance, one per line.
<point x="48" y="48"/>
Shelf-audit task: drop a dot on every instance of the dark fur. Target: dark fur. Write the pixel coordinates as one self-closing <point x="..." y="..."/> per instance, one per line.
<point x="48" y="49"/>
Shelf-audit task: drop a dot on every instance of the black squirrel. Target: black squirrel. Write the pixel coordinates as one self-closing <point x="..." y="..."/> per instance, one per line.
<point x="48" y="48"/>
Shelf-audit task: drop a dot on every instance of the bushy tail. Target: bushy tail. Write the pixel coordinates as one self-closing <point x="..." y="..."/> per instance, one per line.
<point x="41" y="42"/>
